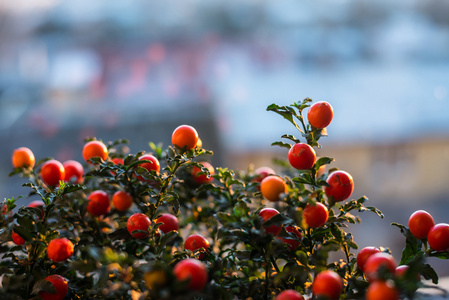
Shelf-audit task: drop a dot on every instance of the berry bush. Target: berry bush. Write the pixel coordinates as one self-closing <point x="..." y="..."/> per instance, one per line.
<point x="166" y="224"/>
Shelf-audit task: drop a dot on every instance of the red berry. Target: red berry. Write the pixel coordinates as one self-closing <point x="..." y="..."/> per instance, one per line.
<point x="52" y="172"/>
<point x="340" y="186"/>
<point x="364" y="254"/>
<point x="59" y="249"/>
<point x="315" y="215"/>
<point x="138" y="221"/>
<point x="289" y="295"/>
<point x="420" y="223"/>
<point x="17" y="239"/>
<point x="438" y="237"/>
<point x="203" y="178"/>
<point x="266" y="214"/>
<point x="99" y="203"/>
<point x="292" y="244"/>
<point x="195" y="242"/>
<point x="74" y="171"/>
<point x="301" y="156"/>
<point x="327" y="284"/>
<point x="193" y="271"/>
<point x="377" y="261"/>
<point x="169" y="223"/>
<point x="61" y="286"/>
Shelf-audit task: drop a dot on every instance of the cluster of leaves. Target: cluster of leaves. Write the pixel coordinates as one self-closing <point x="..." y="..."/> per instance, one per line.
<point x="244" y="260"/>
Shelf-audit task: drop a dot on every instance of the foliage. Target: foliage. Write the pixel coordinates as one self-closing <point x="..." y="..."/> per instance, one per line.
<point x="244" y="261"/>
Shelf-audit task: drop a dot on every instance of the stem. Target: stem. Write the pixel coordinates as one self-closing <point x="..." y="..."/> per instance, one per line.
<point x="275" y="265"/>
<point x="267" y="279"/>
<point x="309" y="236"/>
<point x="346" y="250"/>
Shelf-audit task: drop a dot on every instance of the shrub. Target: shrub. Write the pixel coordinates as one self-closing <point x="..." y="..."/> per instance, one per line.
<point x="119" y="252"/>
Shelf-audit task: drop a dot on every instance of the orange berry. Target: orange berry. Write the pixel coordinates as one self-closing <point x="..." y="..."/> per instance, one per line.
<point x="22" y="158"/>
<point x="95" y="149"/>
<point x="185" y="136"/>
<point x="272" y="187"/>
<point x="320" y="114"/>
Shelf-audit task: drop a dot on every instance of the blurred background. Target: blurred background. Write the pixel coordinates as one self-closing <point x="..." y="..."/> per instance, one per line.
<point x="136" y="70"/>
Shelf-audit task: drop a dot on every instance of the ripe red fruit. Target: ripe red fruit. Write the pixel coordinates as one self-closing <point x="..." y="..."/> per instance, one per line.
<point x="203" y="178"/>
<point x="52" y="172"/>
<point x="377" y="261"/>
<point x="364" y="254"/>
<point x="382" y="290"/>
<point x="272" y="187"/>
<point x="118" y="161"/>
<point x="262" y="172"/>
<point x="327" y="284"/>
<point x="315" y="215"/>
<point x="185" y="136"/>
<point x="420" y="223"/>
<point x="74" y="171"/>
<point x="122" y="200"/>
<point x="438" y="237"/>
<point x="38" y="203"/>
<point x="17" y="239"/>
<point x="61" y="286"/>
<point x="266" y="214"/>
<point x="340" y="186"/>
<point x="23" y="157"/>
<point x="195" y="242"/>
<point x="138" y="221"/>
<point x="99" y="203"/>
<point x="320" y="114"/>
<point x="59" y="249"/>
<point x="289" y="295"/>
<point x="169" y="223"/>
<point x="301" y="156"/>
<point x="402" y="269"/>
<point x="95" y="149"/>
<point x="154" y="165"/>
<point x="192" y="270"/>
<point x="292" y="244"/>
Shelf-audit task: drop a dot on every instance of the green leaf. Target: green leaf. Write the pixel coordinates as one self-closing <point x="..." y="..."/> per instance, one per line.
<point x="168" y="238"/>
<point x="43" y="286"/>
<point x="323" y="161"/>
<point x="290" y="137"/>
<point x="441" y="255"/>
<point x="286" y="112"/>
<point x="278" y="219"/>
<point x="412" y="247"/>
<point x="374" y="210"/>
<point x="429" y="273"/>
